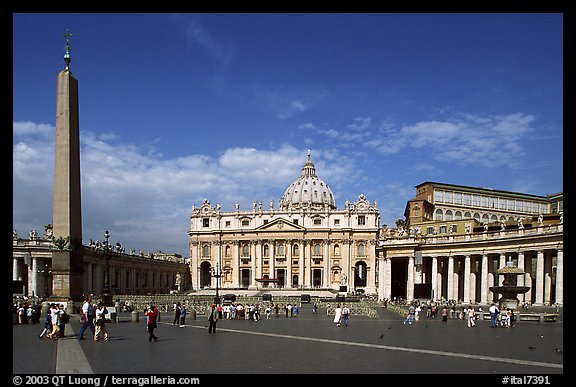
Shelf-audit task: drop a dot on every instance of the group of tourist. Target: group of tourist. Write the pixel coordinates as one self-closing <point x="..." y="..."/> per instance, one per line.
<point x="55" y="322"/>
<point x="93" y="317"/>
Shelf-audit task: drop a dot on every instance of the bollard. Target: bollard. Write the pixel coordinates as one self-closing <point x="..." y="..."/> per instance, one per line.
<point x="541" y="319"/>
<point x="45" y="307"/>
<point x="134" y="316"/>
<point x="70" y="307"/>
<point x="192" y="314"/>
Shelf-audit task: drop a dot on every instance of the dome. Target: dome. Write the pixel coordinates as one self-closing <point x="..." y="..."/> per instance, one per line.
<point x="308" y="191"/>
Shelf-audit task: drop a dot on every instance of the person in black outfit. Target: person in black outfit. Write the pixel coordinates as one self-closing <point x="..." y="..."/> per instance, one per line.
<point x="176" y="314"/>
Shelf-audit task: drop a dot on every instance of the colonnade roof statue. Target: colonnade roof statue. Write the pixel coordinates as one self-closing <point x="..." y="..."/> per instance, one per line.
<point x="308" y="191"/>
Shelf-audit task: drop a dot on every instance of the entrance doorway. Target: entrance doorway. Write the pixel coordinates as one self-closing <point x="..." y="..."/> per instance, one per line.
<point x="245" y="278"/>
<point x="317" y="278"/>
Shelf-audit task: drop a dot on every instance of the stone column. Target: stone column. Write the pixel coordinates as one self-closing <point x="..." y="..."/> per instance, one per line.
<point x="326" y="265"/>
<point x="410" y="282"/>
<point x="16" y="268"/>
<point x="235" y="265"/>
<point x="301" y="269"/>
<point x="345" y="261"/>
<point x="500" y="266"/>
<point x="435" y="278"/>
<point x="450" y="275"/>
<point x="256" y="253"/>
<point x="539" y="278"/>
<point x="560" y="277"/>
<point x="520" y="279"/>
<point x="308" y="265"/>
<point x="388" y="289"/>
<point x="272" y="265"/>
<point x="288" y="251"/>
<point x="381" y="277"/>
<point x="37" y="264"/>
<point x="467" y="279"/>
<point x="548" y="278"/>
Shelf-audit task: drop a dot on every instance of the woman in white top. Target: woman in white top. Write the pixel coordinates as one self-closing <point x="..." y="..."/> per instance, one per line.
<point x="337" y="315"/>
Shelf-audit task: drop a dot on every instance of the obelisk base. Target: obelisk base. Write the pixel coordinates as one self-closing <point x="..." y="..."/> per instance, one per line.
<point x="67" y="276"/>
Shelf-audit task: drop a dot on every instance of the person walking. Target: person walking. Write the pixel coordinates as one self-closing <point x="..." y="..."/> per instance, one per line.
<point x="64" y="319"/>
<point x="47" y="325"/>
<point x="493" y="315"/>
<point x="151" y="318"/>
<point x="471" y="317"/>
<point x="100" y="322"/>
<point x="87" y="318"/>
<point x="176" y="314"/>
<point x="213" y="319"/>
<point x="55" y="312"/>
<point x="182" y="316"/>
<point x="345" y="315"/>
<point x="337" y="315"/>
<point x="445" y="313"/>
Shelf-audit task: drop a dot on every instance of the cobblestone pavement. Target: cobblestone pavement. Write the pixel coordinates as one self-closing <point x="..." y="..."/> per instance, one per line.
<point x="309" y="343"/>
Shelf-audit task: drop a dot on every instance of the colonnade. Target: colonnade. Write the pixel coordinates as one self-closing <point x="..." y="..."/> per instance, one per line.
<point x="467" y="277"/>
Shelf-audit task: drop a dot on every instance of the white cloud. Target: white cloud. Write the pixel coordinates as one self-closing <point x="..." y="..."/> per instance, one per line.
<point x="490" y="141"/>
<point x="196" y="33"/>
<point x="145" y="200"/>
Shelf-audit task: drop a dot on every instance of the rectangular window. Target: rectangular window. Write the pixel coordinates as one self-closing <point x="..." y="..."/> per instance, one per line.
<point x="429" y="230"/>
<point x="205" y="222"/>
<point x="227" y="223"/>
<point x="245" y="223"/>
<point x="476" y="200"/>
<point x="466" y="199"/>
<point x="438" y="196"/>
<point x="336" y="222"/>
<point x="361" y="220"/>
<point x="295" y="221"/>
<point x="442" y="229"/>
<point x="457" y="198"/>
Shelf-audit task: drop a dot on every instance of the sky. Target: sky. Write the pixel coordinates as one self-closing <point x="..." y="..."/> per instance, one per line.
<point x="178" y="108"/>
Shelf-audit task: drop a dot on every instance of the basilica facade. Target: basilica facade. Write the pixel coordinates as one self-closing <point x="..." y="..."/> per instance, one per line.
<point x="305" y="243"/>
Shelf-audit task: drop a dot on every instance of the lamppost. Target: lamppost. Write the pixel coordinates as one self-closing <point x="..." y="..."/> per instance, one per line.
<point x="106" y="294"/>
<point x="216" y="274"/>
<point x="45" y="273"/>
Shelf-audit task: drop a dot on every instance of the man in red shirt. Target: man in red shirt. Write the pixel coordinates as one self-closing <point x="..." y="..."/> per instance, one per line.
<point x="151" y="317"/>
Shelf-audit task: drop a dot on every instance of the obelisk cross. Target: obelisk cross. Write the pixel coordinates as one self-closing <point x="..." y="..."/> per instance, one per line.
<point x="67" y="53"/>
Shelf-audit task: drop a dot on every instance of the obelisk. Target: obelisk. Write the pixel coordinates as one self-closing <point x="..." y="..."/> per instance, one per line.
<point x="67" y="253"/>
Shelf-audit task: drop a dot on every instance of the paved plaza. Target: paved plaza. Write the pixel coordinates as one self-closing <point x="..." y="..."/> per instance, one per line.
<point x="307" y="344"/>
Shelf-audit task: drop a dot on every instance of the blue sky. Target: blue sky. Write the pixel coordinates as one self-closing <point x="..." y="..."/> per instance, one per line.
<point x="175" y="108"/>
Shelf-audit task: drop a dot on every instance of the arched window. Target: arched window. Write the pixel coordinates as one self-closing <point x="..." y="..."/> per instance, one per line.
<point x="317" y="249"/>
<point x="336" y="249"/>
<point x="295" y="249"/>
<point x="448" y="215"/>
<point x="438" y="215"/>
<point x="361" y="250"/>
<point x="266" y="251"/>
<point x="227" y="251"/>
<point x="205" y="250"/>
<point x="280" y="250"/>
<point x="245" y="250"/>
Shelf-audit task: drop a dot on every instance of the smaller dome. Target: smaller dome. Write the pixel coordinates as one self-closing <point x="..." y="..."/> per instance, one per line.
<point x="308" y="190"/>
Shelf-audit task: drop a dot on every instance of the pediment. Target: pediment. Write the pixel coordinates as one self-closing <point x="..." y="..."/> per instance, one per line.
<point x="280" y="224"/>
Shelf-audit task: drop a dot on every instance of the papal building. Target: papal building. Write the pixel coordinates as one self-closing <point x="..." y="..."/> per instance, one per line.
<point x="307" y="242"/>
<point x="450" y="246"/>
